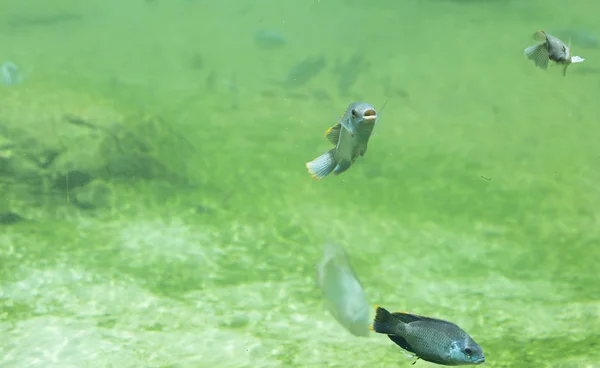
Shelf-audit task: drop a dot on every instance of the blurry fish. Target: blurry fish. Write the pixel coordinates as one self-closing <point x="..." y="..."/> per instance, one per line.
<point x="430" y="339"/>
<point x="9" y="74"/>
<point x="304" y="71"/>
<point x="343" y="291"/>
<point x="18" y="21"/>
<point x="350" y="137"/>
<point x="551" y="49"/>
<point x="197" y="62"/>
<point x="349" y="72"/>
<point x="268" y="39"/>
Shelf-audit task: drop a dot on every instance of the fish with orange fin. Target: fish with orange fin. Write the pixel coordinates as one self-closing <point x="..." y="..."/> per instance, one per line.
<point x="350" y="136"/>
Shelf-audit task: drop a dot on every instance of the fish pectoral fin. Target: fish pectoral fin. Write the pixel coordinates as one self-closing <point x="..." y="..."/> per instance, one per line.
<point x="333" y="134"/>
<point x="348" y="126"/>
<point x="539" y="54"/>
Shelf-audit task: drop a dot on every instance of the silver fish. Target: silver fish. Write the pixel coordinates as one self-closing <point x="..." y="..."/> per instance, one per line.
<point x="551" y="48"/>
<point x="430" y="339"/>
<point x="343" y="292"/>
<point x="350" y="136"/>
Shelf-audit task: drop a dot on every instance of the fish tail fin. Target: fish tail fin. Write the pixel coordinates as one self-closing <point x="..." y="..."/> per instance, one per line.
<point x="539" y="54"/>
<point x="321" y="166"/>
<point x="384" y="322"/>
<point x="577" y="59"/>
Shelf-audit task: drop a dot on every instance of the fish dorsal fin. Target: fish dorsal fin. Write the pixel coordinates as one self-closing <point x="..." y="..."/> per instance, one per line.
<point x="333" y="134"/>
<point x="409" y="317"/>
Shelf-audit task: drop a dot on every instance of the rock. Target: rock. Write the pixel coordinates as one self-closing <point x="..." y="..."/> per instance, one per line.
<point x="59" y="139"/>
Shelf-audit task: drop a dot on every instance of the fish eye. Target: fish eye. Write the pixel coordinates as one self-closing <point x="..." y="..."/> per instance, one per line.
<point x="354" y="112"/>
<point x="564" y="48"/>
<point x="468" y="351"/>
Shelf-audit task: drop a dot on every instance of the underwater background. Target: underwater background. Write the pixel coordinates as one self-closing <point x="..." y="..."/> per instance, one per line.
<point x="155" y="210"/>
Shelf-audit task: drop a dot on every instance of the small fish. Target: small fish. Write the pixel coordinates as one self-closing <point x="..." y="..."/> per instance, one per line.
<point x="553" y="49"/>
<point x="9" y="74"/>
<point x="268" y="39"/>
<point x="350" y="137"/>
<point x="18" y="21"/>
<point x="349" y="72"/>
<point x="430" y="339"/>
<point x="343" y="292"/>
<point x="304" y="71"/>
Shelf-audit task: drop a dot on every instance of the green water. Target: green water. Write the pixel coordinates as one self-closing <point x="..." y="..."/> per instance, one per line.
<point x="477" y="201"/>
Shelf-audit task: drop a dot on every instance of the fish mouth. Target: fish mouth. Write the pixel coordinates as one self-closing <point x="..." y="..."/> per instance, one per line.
<point x="370" y="114"/>
<point x="479" y="361"/>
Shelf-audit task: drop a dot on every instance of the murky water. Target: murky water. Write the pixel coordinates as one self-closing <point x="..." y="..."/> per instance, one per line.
<point x="155" y="210"/>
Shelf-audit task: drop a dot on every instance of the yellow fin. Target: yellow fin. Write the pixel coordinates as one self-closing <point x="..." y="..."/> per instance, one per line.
<point x="333" y="134"/>
<point x="371" y="327"/>
<point x="539" y="35"/>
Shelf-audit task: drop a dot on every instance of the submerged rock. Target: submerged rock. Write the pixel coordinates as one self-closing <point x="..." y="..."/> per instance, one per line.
<point x="58" y="139"/>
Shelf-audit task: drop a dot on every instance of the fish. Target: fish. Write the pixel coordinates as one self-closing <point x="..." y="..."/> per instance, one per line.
<point x="343" y="292"/>
<point x="349" y="72"/>
<point x="552" y="48"/>
<point x="434" y="340"/>
<point x="18" y="21"/>
<point x="9" y="74"/>
<point x="268" y="39"/>
<point x="350" y="135"/>
<point x="304" y="71"/>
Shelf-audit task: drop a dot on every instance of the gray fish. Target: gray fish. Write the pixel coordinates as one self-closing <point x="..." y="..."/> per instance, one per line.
<point x="553" y="49"/>
<point x="269" y="39"/>
<point x="349" y="72"/>
<point x="304" y="71"/>
<point x="430" y="339"/>
<point x="343" y="292"/>
<point x="350" y="137"/>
